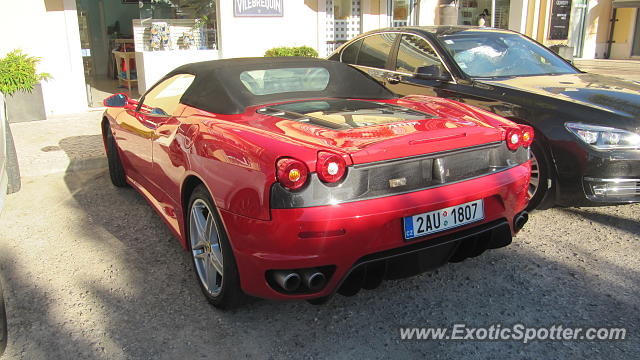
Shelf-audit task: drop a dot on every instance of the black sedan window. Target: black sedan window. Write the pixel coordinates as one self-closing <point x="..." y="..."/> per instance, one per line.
<point x="495" y="54"/>
<point x="375" y="50"/>
<point x="415" y="52"/>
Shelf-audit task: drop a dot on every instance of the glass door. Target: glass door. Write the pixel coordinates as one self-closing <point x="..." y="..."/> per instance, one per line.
<point x="635" y="51"/>
<point x="576" y="26"/>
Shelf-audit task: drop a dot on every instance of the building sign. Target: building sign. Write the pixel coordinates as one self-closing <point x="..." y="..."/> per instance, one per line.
<point x="257" y="7"/>
<point x="560" y="13"/>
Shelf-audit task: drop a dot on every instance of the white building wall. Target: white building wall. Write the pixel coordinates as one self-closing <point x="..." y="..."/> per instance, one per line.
<point x="252" y="36"/>
<point x="48" y="29"/>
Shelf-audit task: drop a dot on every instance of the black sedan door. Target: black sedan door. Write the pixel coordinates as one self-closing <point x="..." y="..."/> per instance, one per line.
<point x="415" y="54"/>
<point x="371" y="55"/>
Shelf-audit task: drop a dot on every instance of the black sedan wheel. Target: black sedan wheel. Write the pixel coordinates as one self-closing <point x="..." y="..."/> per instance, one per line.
<point x="211" y="252"/>
<point x="539" y="182"/>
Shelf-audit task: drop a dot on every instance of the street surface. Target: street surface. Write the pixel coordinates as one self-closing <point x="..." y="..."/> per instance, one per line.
<point x="90" y="271"/>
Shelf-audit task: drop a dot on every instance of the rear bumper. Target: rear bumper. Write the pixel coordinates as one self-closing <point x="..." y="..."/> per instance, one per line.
<point x="342" y="236"/>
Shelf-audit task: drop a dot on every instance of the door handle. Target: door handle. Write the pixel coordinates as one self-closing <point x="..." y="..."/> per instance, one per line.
<point x="393" y="79"/>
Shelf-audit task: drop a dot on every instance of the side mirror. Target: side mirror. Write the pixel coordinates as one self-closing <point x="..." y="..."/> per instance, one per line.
<point x="117" y="100"/>
<point x="432" y="72"/>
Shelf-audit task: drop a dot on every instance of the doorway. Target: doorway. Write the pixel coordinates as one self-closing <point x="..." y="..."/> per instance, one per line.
<point x="635" y="50"/>
<point x="577" y="24"/>
<point x="106" y="27"/>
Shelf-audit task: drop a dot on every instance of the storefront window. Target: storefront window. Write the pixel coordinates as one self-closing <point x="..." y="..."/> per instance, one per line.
<point x="490" y="13"/>
<point x="401" y="12"/>
<point x="178" y="24"/>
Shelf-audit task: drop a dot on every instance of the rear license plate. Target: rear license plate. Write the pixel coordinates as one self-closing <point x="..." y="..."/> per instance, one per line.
<point x="443" y="219"/>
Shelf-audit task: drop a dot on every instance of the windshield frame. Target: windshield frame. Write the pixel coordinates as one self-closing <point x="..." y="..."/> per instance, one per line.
<point x="440" y="37"/>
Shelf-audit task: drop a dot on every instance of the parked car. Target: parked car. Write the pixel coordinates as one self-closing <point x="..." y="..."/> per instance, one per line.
<point x="9" y="169"/>
<point x="3" y="323"/>
<point x="9" y="183"/>
<point x="587" y="126"/>
<point x="293" y="178"/>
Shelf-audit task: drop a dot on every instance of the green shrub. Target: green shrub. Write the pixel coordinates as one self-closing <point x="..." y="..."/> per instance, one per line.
<point x="291" y="51"/>
<point x="18" y="73"/>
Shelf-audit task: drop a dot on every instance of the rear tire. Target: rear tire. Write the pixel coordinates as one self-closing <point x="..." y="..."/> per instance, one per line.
<point x="211" y="253"/>
<point x="116" y="171"/>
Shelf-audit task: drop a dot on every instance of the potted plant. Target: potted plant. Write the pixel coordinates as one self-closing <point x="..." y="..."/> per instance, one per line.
<point x="20" y="83"/>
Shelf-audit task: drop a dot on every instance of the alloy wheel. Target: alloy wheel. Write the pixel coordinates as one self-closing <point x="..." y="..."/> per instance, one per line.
<point x="205" y="247"/>
<point x="534" y="181"/>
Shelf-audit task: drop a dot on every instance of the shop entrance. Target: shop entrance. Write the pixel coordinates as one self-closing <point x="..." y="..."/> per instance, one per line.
<point x="105" y="31"/>
<point x="159" y="34"/>
<point x="577" y="24"/>
<point x="635" y="51"/>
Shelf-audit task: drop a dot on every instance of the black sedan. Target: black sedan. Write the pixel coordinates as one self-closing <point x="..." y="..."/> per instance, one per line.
<point x="587" y="142"/>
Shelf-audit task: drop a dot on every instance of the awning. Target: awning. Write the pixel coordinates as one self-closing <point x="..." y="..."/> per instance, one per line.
<point x="626" y="4"/>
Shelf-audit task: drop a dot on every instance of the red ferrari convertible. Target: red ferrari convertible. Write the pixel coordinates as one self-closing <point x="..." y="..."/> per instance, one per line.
<point x="296" y="178"/>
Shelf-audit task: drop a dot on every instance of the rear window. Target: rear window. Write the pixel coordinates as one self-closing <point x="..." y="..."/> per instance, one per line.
<point x="276" y="81"/>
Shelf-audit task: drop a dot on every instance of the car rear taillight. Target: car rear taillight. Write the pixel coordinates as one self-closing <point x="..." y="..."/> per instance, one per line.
<point x="291" y="173"/>
<point x="527" y="135"/>
<point x="330" y="167"/>
<point x="514" y="138"/>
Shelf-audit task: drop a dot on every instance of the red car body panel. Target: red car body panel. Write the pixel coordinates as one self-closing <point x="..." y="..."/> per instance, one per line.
<point x="235" y="157"/>
<point x="369" y="226"/>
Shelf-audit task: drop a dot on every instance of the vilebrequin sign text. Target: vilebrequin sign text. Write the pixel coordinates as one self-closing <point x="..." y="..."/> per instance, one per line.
<point x="257" y="7"/>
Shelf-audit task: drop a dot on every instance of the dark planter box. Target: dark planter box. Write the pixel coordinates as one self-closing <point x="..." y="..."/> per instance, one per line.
<point x="23" y="106"/>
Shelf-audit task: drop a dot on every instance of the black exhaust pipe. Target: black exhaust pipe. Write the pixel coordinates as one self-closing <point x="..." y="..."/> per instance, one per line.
<point x="313" y="279"/>
<point x="520" y="220"/>
<point x="288" y="280"/>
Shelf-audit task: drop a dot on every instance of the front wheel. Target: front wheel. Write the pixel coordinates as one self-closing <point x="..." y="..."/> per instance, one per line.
<point x="539" y="182"/>
<point x="213" y="259"/>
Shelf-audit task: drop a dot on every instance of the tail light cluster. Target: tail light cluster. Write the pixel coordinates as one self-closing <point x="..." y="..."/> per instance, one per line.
<point x="292" y="173"/>
<point x="519" y="136"/>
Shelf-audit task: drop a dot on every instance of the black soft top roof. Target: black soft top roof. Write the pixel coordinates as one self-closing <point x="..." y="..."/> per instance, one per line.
<point x="217" y="87"/>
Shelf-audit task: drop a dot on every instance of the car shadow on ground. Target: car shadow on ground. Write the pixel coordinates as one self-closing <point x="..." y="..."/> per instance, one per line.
<point x="592" y="215"/>
<point x="146" y="302"/>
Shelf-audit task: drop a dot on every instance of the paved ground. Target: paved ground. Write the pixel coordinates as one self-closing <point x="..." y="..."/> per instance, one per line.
<point x="59" y="144"/>
<point x="91" y="271"/>
<point x="626" y="69"/>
